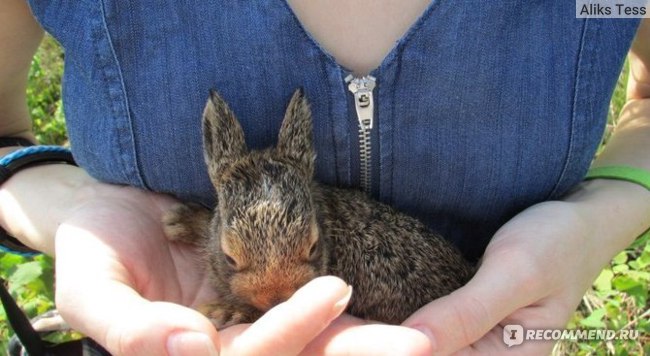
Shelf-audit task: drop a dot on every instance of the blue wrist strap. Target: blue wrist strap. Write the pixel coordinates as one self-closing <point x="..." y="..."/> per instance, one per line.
<point x="18" y="160"/>
<point x="626" y="173"/>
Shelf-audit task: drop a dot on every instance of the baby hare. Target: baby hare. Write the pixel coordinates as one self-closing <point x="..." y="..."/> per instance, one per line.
<point x="274" y="229"/>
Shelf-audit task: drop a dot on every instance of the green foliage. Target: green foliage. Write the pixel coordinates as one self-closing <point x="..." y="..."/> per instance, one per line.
<point x="44" y="93"/>
<point x="30" y="282"/>
<point x="619" y="95"/>
<point x="618" y="300"/>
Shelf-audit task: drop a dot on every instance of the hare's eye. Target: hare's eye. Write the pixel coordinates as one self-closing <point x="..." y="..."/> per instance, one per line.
<point x="312" y="251"/>
<point x="230" y="261"/>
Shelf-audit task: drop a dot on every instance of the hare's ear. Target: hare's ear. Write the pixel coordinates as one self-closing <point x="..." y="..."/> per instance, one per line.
<point x="296" y="139"/>
<point x="223" y="137"/>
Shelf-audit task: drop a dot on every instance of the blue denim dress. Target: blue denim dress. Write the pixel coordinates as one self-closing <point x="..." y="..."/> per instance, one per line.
<point x="482" y="109"/>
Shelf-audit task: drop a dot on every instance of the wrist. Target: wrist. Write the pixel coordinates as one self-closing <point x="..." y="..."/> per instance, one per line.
<point x="616" y="211"/>
<point x="13" y="143"/>
<point x="34" y="201"/>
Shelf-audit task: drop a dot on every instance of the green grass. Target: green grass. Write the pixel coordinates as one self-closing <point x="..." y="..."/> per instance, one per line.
<point x="618" y="299"/>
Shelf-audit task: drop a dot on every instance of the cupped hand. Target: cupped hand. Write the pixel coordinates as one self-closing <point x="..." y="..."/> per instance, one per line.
<point x="533" y="273"/>
<point x="122" y="283"/>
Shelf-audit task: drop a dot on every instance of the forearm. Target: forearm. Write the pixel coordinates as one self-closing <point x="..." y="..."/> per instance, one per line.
<point x="618" y="211"/>
<point x="20" y="36"/>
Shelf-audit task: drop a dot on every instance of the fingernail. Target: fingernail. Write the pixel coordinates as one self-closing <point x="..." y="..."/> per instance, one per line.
<point x="427" y="332"/>
<point x="343" y="302"/>
<point x="190" y="343"/>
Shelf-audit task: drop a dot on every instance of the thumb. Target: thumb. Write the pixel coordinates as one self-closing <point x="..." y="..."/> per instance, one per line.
<point x="288" y="327"/>
<point x="95" y="297"/>
<point x="466" y="315"/>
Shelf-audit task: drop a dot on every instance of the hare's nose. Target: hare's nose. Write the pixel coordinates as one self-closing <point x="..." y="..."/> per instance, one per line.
<point x="276" y="300"/>
<point x="268" y="301"/>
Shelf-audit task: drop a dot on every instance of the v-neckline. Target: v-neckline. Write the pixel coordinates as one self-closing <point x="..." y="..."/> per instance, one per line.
<point x="388" y="58"/>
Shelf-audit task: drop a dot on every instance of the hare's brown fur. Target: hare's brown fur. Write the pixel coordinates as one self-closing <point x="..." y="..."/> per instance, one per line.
<point x="274" y="229"/>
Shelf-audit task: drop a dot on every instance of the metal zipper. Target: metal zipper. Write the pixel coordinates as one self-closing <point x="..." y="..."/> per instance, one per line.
<point x="362" y="88"/>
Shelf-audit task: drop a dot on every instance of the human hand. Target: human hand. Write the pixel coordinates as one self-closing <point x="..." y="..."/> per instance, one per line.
<point x="533" y="273"/>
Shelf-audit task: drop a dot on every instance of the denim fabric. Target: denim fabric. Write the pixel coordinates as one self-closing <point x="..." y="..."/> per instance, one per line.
<point x="482" y="109"/>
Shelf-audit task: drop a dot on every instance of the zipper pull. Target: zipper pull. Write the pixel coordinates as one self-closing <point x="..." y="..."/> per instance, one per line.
<point x="363" y="101"/>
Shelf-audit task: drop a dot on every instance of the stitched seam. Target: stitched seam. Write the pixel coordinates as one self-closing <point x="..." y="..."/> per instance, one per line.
<point x="330" y="116"/>
<point x="576" y="88"/>
<point x="410" y="33"/>
<point x="125" y="101"/>
<point x="376" y="155"/>
<point x="390" y="198"/>
<point x="390" y="56"/>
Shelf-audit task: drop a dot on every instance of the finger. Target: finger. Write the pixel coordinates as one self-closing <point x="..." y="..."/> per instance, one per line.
<point x="348" y="333"/>
<point x="290" y="326"/>
<point x="95" y="296"/>
<point x="464" y="316"/>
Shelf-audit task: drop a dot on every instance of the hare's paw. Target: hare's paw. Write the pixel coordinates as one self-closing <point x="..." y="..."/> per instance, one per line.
<point x="223" y="315"/>
<point x="186" y="223"/>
